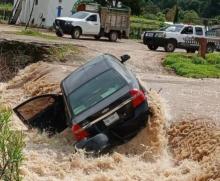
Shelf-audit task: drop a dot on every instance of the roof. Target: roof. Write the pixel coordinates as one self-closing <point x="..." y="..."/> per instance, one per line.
<point x="86" y="72"/>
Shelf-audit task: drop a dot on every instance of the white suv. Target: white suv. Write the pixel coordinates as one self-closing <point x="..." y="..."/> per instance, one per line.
<point x="175" y="36"/>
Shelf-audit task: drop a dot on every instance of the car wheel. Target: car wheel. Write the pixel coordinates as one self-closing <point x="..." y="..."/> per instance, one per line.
<point x="170" y="46"/>
<point x="59" y="33"/>
<point x="210" y="48"/>
<point x="76" y="33"/>
<point x="113" y="36"/>
<point x="152" y="47"/>
<point x="97" y="37"/>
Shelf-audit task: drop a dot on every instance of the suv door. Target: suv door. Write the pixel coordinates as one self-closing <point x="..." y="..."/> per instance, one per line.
<point x="45" y="113"/>
<point x="186" y="35"/>
<point x="92" y="25"/>
<point x="199" y="32"/>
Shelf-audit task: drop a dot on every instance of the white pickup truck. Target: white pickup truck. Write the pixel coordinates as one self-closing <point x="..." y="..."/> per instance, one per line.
<point x="177" y="36"/>
<point x="112" y="23"/>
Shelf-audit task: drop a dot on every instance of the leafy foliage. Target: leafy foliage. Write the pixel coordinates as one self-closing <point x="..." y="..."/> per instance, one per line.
<point x="11" y="145"/>
<point x="190" y="65"/>
<point x="204" y="8"/>
<point x="6" y="6"/>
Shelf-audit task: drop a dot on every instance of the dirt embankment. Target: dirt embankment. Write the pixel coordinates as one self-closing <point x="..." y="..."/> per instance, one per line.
<point x="186" y="150"/>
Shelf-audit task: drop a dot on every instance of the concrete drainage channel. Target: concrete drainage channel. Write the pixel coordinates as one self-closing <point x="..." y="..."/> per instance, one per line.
<point x="187" y="150"/>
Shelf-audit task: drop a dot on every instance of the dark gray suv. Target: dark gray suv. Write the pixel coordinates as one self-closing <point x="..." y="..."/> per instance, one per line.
<point x="102" y="101"/>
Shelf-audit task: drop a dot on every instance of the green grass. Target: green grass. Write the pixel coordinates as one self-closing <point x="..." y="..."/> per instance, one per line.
<point x="36" y="33"/>
<point x="140" y="24"/>
<point x="60" y="52"/>
<point x="190" y="65"/>
<point x="7" y="6"/>
<point x="11" y="146"/>
<point x="142" y="20"/>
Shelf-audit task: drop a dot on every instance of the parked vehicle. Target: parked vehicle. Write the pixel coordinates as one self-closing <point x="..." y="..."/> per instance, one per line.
<point x="176" y="36"/>
<point x="214" y="33"/>
<point x="112" y="23"/>
<point x="102" y="101"/>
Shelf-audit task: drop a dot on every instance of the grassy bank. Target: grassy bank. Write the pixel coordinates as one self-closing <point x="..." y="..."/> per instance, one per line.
<point x="11" y="145"/>
<point x="190" y="65"/>
<point x="36" y="33"/>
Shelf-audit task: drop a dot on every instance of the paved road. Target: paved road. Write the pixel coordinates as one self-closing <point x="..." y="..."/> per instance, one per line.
<point x="182" y="97"/>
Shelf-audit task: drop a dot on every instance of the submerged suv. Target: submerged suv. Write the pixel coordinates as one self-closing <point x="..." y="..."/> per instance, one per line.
<point x="102" y="101"/>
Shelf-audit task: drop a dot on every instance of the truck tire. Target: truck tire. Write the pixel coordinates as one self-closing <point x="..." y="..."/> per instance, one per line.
<point x="59" y="33"/>
<point x="152" y="47"/>
<point x="210" y="48"/>
<point x="113" y="36"/>
<point x="76" y="33"/>
<point x="170" y="46"/>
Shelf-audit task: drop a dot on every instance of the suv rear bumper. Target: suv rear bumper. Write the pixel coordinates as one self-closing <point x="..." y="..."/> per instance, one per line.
<point x="117" y="135"/>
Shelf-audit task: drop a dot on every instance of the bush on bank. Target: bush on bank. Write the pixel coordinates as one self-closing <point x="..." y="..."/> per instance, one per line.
<point x="11" y="145"/>
<point x="190" y="65"/>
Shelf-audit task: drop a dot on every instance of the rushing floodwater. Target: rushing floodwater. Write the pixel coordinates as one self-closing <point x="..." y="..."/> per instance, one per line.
<point x="186" y="150"/>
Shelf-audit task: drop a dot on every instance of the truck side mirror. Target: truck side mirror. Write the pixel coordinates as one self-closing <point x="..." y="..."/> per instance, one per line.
<point x="124" y="58"/>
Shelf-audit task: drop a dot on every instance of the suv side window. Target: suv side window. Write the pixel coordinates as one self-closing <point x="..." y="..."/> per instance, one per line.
<point x="199" y="31"/>
<point x="92" y="18"/>
<point x="187" y="30"/>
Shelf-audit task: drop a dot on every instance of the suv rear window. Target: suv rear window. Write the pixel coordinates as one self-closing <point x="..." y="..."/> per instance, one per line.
<point x="95" y="90"/>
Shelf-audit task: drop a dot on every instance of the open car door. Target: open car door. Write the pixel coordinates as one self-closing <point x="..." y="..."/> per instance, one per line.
<point x="46" y="113"/>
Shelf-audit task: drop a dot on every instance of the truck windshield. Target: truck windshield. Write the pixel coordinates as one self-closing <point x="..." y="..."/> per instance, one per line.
<point x="95" y="91"/>
<point x="174" y="28"/>
<point x="80" y="15"/>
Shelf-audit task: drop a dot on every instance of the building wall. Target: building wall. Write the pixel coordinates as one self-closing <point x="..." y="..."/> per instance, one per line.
<point x="66" y="9"/>
<point x="45" y="11"/>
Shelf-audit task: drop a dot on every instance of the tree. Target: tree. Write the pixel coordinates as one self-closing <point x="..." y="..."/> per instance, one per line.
<point x="190" y="17"/>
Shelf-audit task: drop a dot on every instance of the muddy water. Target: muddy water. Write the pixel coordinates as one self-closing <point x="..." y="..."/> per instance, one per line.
<point x="187" y="150"/>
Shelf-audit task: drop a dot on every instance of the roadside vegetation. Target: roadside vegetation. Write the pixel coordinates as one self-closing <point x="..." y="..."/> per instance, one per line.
<point x="6" y="6"/>
<point x="36" y="33"/>
<point x="11" y="145"/>
<point x="190" y="65"/>
<point x="142" y="23"/>
<point x="5" y="11"/>
<point x="60" y="52"/>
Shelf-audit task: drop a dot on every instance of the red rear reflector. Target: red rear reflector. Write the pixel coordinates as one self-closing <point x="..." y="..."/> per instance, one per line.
<point x="79" y="133"/>
<point x="138" y="97"/>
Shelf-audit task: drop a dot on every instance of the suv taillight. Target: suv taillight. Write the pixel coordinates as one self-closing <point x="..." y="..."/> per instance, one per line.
<point x="138" y="97"/>
<point x="79" y="133"/>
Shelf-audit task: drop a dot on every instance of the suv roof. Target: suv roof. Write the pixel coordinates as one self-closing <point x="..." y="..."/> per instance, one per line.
<point x="88" y="71"/>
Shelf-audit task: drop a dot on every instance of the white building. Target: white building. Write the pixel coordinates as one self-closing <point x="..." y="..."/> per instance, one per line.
<point x="44" y="11"/>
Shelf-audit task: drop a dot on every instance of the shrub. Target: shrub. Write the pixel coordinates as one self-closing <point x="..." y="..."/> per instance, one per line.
<point x="190" y="65"/>
<point x="213" y="58"/>
<point x="11" y="145"/>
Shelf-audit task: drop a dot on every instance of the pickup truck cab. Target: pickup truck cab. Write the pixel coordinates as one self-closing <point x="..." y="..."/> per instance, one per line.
<point x="85" y="23"/>
<point x="175" y="36"/>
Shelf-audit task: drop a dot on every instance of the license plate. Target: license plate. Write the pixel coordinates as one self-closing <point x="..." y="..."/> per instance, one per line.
<point x="111" y="119"/>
